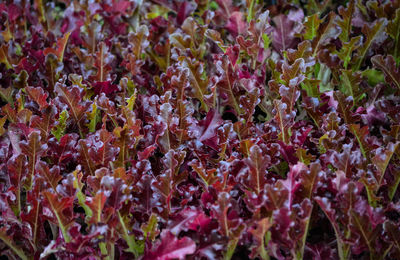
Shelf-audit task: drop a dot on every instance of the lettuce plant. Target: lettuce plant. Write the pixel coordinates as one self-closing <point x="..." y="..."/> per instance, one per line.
<point x="171" y="129"/>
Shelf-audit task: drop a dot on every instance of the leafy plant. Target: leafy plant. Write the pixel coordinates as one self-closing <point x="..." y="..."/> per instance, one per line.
<point x="199" y="129"/>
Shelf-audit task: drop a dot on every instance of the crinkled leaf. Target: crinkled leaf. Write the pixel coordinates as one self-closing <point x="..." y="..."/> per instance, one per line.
<point x="61" y="212"/>
<point x="373" y="33"/>
<point x="72" y="97"/>
<point x="327" y="31"/>
<point x="33" y="149"/>
<point x="236" y="24"/>
<point x="38" y="95"/>
<point x="361" y="133"/>
<point x="59" y="129"/>
<point x="7" y="94"/>
<point x="345" y="53"/>
<point x="207" y="176"/>
<point x="284" y="120"/>
<point x="220" y="211"/>
<point x="171" y="248"/>
<point x="311" y="25"/>
<point x="394" y="32"/>
<point x="189" y="219"/>
<point x="344" y="107"/>
<point x="258" y="164"/>
<point x="150" y="229"/>
<point x="345" y="21"/>
<point x="9" y="241"/>
<point x="285" y="29"/>
<point x="260" y="236"/>
<point x="51" y="176"/>
<point x="96" y="205"/>
<point x="61" y="44"/>
<point x="350" y="85"/>
<point x="392" y="230"/>
<point x="389" y="68"/>
<point x="382" y="158"/>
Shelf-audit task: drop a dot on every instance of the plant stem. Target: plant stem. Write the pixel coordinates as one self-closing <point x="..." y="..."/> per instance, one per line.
<point x="250" y="14"/>
<point x="16" y="249"/>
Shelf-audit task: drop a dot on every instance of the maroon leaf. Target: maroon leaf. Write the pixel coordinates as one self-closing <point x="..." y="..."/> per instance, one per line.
<point x="105" y="87"/>
<point x="236" y="24"/>
<point x="285" y="29"/>
<point x="171" y="248"/>
<point x="259" y="234"/>
<point x="284" y="119"/>
<point x="38" y="95"/>
<point x="258" y="164"/>
<point x="44" y="123"/>
<point x="96" y="204"/>
<point x="388" y="66"/>
<point x="59" y="51"/>
<point x="51" y="176"/>
<point x="60" y="212"/>
<point x="189" y="219"/>
<point x="33" y="149"/>
<point x="209" y="125"/>
<point x="73" y="98"/>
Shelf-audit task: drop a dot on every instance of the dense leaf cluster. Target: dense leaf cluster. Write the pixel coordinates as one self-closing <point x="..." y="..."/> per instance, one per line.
<point x="172" y="129"/>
